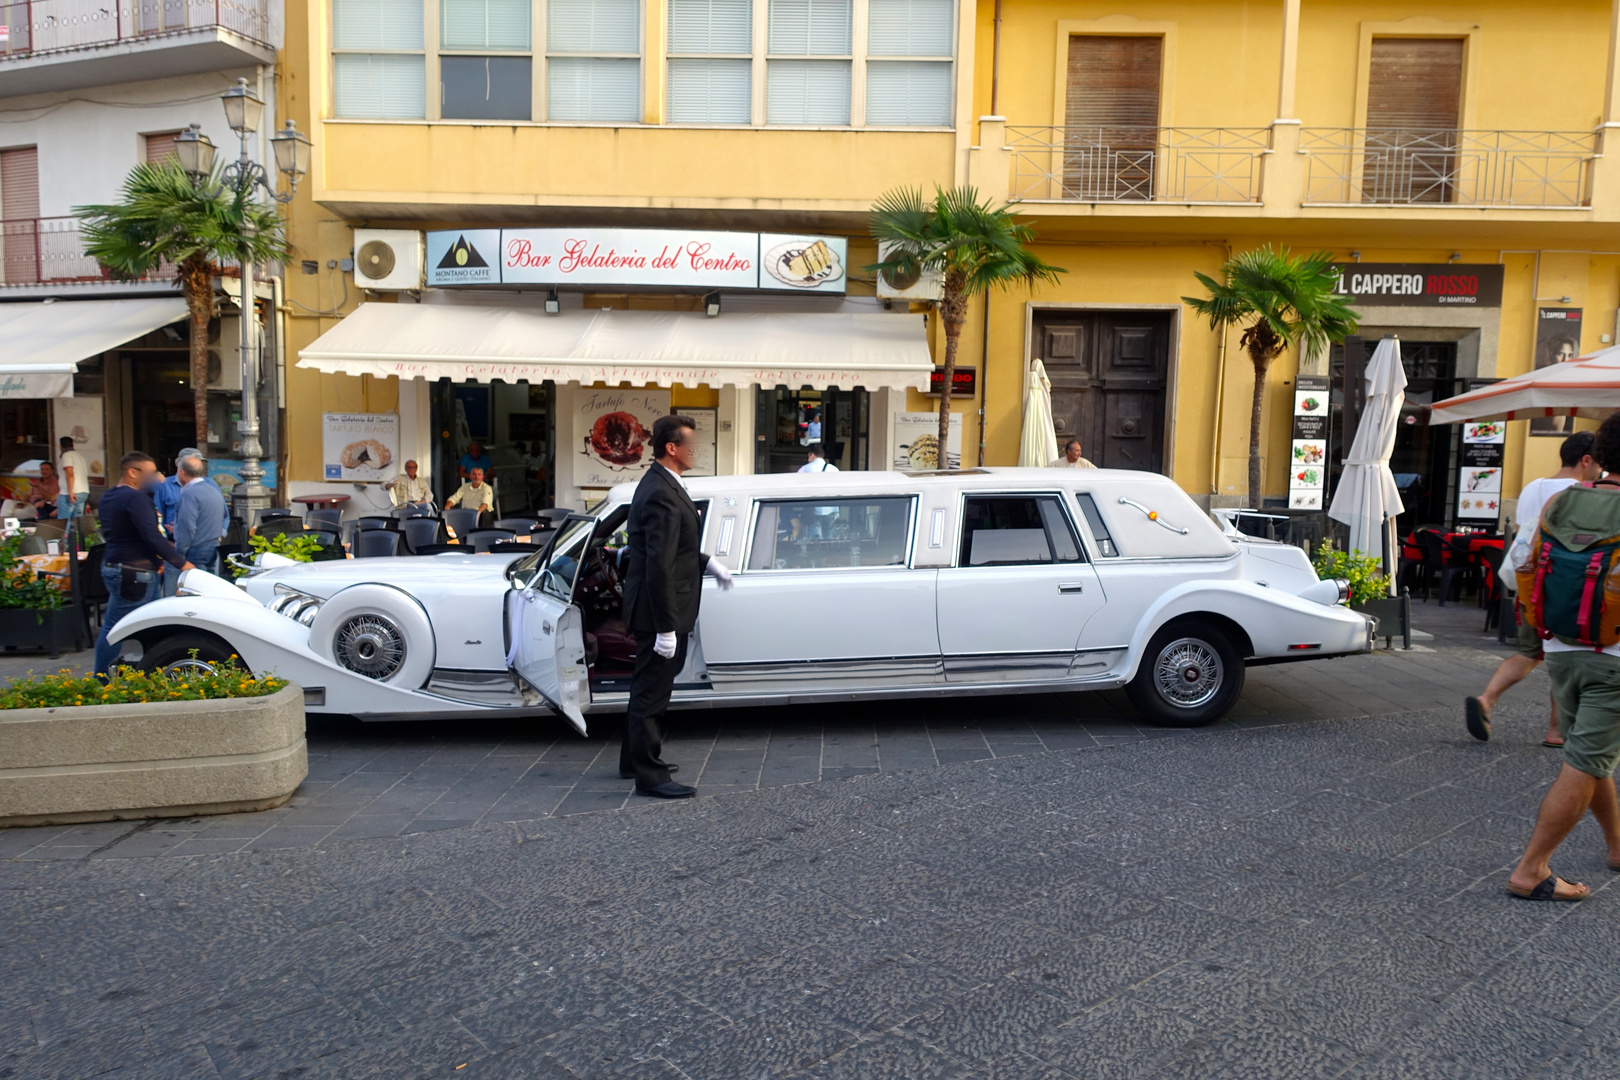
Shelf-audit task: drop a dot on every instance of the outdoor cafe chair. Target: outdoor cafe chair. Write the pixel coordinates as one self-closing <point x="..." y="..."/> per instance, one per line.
<point x="377" y="521"/>
<point x="482" y="540"/>
<point x="422" y="531"/>
<point x="461" y="520"/>
<point x="378" y="543"/>
<point x="326" y="517"/>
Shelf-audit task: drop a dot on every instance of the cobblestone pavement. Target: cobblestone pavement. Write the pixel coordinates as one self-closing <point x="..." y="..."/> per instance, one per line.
<point x="999" y="888"/>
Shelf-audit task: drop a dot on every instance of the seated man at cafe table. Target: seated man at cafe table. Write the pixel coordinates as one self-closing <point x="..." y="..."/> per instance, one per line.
<point x="475" y="495"/>
<point x="42" y="493"/>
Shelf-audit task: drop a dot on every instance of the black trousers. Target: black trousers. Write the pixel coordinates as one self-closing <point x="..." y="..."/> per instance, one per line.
<point x="642" y="751"/>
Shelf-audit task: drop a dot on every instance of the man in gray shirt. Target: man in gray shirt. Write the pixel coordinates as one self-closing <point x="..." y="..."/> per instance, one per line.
<point x="199" y="521"/>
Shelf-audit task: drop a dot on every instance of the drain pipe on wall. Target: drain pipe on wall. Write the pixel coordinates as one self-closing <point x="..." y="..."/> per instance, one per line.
<point x="984" y="360"/>
<point x="995" y="71"/>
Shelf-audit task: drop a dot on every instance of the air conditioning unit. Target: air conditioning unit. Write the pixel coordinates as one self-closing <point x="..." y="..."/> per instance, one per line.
<point x="924" y="286"/>
<point x="388" y="259"/>
<point x="225" y="356"/>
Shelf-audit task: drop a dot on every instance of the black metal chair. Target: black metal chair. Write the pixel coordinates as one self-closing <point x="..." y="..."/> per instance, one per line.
<point x="276" y="525"/>
<point x="31" y="545"/>
<point x="514" y="547"/>
<point x="484" y="539"/>
<point x="554" y="515"/>
<point x="272" y="512"/>
<point x="519" y="524"/>
<point x="331" y="547"/>
<point x="413" y="510"/>
<point x="325" y="518"/>
<point x="1491" y="593"/>
<point x="420" y="532"/>
<point x="461" y="520"/>
<point x="93" y="594"/>
<point x="378" y="543"/>
<point x="1430" y="562"/>
<point x="375" y="521"/>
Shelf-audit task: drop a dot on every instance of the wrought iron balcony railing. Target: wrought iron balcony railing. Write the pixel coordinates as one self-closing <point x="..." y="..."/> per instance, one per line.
<point x="50" y="251"/>
<point x="38" y="27"/>
<point x="1136" y="164"/>
<point x="1392" y="167"/>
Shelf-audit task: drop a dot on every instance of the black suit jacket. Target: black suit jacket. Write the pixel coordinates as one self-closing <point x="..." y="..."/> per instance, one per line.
<point x="664" y="580"/>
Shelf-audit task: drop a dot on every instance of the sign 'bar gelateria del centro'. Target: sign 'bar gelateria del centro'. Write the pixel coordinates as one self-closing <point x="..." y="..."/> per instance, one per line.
<point x="1421" y="284"/>
<point x="639" y="258"/>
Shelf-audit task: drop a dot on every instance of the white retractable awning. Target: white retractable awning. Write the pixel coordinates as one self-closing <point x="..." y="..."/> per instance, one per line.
<point x="41" y="344"/>
<point x="461" y="342"/>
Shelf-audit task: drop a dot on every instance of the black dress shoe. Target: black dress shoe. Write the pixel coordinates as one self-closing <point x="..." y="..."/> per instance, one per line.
<point x="623" y="775"/>
<point x="671" y="790"/>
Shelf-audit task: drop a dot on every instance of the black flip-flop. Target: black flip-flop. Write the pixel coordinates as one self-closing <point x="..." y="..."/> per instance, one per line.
<point x="1548" y="890"/>
<point x="1478" y="720"/>
<point x="1551" y="744"/>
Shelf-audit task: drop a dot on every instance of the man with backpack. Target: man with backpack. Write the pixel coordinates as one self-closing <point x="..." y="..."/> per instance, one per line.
<point x="1569" y="591"/>
<point x="1578" y="467"/>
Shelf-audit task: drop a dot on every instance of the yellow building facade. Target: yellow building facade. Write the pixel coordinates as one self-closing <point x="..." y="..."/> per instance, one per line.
<point x="1428" y="143"/>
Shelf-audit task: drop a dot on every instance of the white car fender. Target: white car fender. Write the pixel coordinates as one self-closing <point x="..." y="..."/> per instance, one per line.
<point x="1273" y="620"/>
<point x="263" y="639"/>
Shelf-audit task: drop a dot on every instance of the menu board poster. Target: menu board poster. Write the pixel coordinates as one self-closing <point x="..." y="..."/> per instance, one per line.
<point x="1479" y="493"/>
<point x="1304" y="498"/>
<point x="1558" y="339"/>
<point x="916" y="442"/>
<point x="613" y="434"/>
<point x="359" y="448"/>
<point x="707" y="424"/>
<point x="1311" y="407"/>
<point x="1484" y="442"/>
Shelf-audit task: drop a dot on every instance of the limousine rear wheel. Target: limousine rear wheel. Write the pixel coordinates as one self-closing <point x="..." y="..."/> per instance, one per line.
<point x="1189" y="676"/>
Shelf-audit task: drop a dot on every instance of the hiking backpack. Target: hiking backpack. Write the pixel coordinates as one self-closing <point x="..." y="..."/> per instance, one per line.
<point x="1569" y="587"/>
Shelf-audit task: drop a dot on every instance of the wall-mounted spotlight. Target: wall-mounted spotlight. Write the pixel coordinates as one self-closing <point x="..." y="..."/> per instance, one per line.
<point x="552" y="304"/>
<point x="711" y="305"/>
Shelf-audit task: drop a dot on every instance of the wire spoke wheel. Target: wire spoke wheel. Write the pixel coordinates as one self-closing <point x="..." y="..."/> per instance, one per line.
<point x="1188" y="673"/>
<point x="370" y="645"/>
<point x="191" y="665"/>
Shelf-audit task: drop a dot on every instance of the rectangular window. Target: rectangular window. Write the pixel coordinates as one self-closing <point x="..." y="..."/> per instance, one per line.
<point x="814" y="534"/>
<point x="159" y="146"/>
<point x="814" y="86"/>
<point x="1016" y="530"/>
<point x="485" y="87"/>
<point x="593" y="66"/>
<point x="711" y="45"/>
<point x="1099" y="527"/>
<point x="909" y="47"/>
<point x="379" y="67"/>
<point x="484" y="25"/>
<point x="1111" y="117"/>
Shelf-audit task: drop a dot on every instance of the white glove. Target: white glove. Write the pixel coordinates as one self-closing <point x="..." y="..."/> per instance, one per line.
<point x="664" y="645"/>
<point x="717" y="570"/>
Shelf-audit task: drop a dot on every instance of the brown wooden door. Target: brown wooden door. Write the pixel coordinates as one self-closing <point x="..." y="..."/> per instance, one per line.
<point x="1111" y="117"/>
<point x="1414" y="107"/>
<point x="1108" y="373"/>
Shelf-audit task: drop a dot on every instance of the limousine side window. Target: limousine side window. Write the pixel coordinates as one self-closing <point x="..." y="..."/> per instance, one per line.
<point x="802" y="534"/>
<point x="1016" y="530"/>
<point x="1099" y="529"/>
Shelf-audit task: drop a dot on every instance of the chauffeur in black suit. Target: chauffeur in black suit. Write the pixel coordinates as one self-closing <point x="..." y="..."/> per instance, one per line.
<point x="662" y="588"/>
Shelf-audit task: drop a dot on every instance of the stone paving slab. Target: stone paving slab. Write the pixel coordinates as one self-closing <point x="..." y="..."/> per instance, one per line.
<point x="1315" y="899"/>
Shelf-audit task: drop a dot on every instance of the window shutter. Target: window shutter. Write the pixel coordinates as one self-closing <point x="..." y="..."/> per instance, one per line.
<point x="19" y="183"/>
<point x="711" y="26"/>
<point x="160" y="146"/>
<point x="1113" y="82"/>
<point x="807" y="92"/>
<point x="377" y="24"/>
<point x="379" y="86"/>
<point x="593" y="26"/>
<point x="811" y="27"/>
<point x="710" y="91"/>
<point x="910" y="28"/>
<point x="484" y="24"/>
<point x="1415" y="84"/>
<point x="584" y="89"/>
<point x="908" y="92"/>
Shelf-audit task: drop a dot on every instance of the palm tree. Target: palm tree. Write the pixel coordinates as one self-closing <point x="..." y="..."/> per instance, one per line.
<point x="164" y="218"/>
<point x="973" y="246"/>
<point x="1286" y="300"/>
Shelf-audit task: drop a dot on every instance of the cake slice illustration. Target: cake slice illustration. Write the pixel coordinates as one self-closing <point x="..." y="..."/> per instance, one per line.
<point x="813" y="260"/>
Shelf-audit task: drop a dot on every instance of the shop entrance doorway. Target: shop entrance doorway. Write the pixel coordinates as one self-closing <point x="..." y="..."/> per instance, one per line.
<point x="786" y="421"/>
<point x="1426" y="459"/>
<point x="1109" y="370"/>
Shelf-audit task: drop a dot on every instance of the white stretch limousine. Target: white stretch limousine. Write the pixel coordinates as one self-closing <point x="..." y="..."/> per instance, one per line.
<point x="848" y="585"/>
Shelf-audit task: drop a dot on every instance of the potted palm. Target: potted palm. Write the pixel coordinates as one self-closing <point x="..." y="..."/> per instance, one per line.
<point x="34" y="612"/>
<point x="973" y="246"/>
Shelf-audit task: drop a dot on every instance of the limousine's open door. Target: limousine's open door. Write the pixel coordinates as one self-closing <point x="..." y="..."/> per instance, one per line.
<point x="547" y="631"/>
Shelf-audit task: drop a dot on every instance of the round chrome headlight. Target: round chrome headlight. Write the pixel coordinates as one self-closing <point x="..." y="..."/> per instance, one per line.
<point x="370" y="645"/>
<point x="1344" y="590"/>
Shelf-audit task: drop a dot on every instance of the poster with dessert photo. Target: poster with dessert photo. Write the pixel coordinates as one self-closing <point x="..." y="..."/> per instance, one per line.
<point x="916" y="442"/>
<point x="613" y="434"/>
<point x="803" y="263"/>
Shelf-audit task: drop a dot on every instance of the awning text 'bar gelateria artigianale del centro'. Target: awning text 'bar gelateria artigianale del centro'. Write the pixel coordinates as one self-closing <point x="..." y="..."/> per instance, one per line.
<point x="484" y="343"/>
<point x="41" y="343"/>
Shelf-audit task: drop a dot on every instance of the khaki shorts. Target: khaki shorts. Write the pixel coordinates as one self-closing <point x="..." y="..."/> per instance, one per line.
<point x="1529" y="641"/>
<point x="1586" y="686"/>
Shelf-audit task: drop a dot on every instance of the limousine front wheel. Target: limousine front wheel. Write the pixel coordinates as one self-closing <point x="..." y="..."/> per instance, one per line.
<point x="1189" y="676"/>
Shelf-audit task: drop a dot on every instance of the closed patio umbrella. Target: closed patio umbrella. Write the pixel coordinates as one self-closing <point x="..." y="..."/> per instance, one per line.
<point x="1038" y="447"/>
<point x="1367" y="499"/>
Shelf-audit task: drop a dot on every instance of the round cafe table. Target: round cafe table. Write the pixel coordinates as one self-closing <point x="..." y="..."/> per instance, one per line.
<point x="322" y="502"/>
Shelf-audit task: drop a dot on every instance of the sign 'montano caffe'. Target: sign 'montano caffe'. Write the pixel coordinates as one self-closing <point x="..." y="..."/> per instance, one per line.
<point x="1421" y="284"/>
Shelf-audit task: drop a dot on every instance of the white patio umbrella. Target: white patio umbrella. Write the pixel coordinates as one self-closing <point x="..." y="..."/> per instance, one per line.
<point x="1367" y="499"/>
<point x="1039" y="446"/>
<point x="1586" y="386"/>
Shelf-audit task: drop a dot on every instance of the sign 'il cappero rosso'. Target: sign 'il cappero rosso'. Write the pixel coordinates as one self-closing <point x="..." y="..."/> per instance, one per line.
<point x="1421" y="284"/>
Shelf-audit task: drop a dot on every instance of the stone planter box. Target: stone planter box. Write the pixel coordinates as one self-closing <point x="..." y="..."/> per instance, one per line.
<point x="174" y="759"/>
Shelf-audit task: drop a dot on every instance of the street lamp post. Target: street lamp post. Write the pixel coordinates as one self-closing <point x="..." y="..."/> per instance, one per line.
<point x="243" y="112"/>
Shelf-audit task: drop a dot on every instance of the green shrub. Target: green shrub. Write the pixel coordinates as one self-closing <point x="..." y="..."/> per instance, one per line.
<point x="1364" y="572"/>
<point x="64" y="689"/>
<point x="295" y="546"/>
<point x="22" y="587"/>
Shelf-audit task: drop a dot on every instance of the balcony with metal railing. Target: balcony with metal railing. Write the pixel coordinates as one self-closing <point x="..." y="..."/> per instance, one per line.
<point x="50" y="251"/>
<point x="1521" y="169"/>
<point x="1211" y="166"/>
<point x="52" y="45"/>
